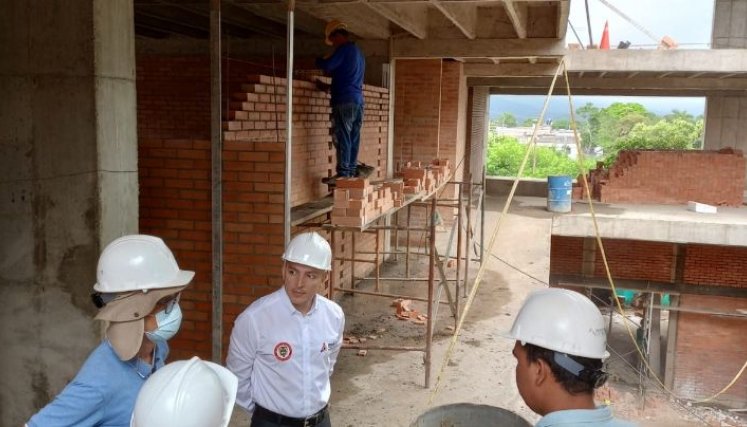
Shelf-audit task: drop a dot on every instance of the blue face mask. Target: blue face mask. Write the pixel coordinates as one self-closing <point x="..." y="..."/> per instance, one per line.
<point x="168" y="324"/>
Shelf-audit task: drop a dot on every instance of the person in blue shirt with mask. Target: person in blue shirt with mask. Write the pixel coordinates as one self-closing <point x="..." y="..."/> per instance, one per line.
<point x="560" y="350"/>
<point x="347" y="66"/>
<point x="137" y="292"/>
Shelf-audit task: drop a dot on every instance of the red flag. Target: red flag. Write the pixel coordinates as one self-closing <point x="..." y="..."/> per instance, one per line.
<point x="605" y="43"/>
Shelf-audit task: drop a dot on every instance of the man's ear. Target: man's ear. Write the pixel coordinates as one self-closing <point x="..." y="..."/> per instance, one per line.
<point x="541" y="372"/>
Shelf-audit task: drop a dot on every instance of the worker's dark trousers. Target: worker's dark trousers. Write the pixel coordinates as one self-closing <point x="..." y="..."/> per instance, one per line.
<point x="348" y="119"/>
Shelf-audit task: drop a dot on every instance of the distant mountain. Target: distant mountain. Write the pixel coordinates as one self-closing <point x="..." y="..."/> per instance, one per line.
<point x="530" y="106"/>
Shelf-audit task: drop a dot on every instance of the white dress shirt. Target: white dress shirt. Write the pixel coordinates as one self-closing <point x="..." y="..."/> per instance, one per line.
<point x="284" y="359"/>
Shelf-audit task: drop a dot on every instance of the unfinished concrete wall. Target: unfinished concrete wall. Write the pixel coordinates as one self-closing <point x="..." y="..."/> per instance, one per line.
<point x="69" y="186"/>
<point x="726" y="116"/>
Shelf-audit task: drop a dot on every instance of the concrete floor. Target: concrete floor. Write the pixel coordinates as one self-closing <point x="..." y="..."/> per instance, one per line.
<point x="386" y="388"/>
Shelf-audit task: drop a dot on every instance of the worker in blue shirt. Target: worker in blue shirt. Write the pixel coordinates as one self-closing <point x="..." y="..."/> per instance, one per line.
<point x="137" y="291"/>
<point x="560" y="350"/>
<point x="346" y="65"/>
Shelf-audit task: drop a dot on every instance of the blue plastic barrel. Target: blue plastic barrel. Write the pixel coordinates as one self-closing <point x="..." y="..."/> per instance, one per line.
<point x="559" y="193"/>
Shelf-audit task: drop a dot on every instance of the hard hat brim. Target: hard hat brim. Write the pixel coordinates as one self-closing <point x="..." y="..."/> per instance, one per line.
<point x="183" y="277"/>
<point x="135" y="305"/>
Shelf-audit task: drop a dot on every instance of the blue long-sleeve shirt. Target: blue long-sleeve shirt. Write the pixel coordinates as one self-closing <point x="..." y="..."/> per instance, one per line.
<point x="102" y="394"/>
<point x="347" y="67"/>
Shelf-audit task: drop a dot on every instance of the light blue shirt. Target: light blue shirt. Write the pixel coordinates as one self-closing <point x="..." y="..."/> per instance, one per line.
<point x="103" y="392"/>
<point x="601" y="417"/>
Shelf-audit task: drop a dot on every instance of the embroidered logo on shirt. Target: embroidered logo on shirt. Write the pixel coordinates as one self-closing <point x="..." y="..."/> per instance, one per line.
<point x="325" y="347"/>
<point x="283" y="351"/>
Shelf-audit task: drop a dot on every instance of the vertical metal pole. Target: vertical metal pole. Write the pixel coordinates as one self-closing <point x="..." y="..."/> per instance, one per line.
<point x="288" y="127"/>
<point x="352" y="262"/>
<point x="216" y="144"/>
<point x="407" y="244"/>
<point x="378" y="264"/>
<point x="431" y="284"/>
<point x="470" y="237"/>
<point x="332" y="281"/>
<point x="460" y="213"/>
<point x="482" y="215"/>
<point x="588" y="23"/>
<point x="396" y="236"/>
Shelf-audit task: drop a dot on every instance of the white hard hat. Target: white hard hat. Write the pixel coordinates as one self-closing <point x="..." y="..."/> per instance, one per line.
<point x="186" y="393"/>
<point x="309" y="249"/>
<point x="138" y="262"/>
<point x="561" y="320"/>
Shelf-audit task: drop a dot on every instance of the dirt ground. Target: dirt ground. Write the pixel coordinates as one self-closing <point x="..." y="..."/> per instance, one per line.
<point x="386" y="388"/>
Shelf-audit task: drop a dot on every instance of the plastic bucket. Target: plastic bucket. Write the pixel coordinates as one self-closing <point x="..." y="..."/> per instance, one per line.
<point x="559" y="193"/>
<point x="469" y="415"/>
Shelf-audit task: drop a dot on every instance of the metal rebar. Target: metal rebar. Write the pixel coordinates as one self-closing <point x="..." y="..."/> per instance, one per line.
<point x="431" y="282"/>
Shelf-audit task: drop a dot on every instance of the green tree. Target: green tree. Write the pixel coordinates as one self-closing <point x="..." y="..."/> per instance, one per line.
<point x="561" y="124"/>
<point x="528" y="122"/>
<point x="674" y="134"/>
<point x="505" y="154"/>
<point x="506" y="120"/>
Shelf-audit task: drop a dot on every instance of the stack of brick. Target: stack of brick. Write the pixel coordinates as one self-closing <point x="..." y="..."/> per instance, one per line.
<point x="257" y="114"/>
<point x="357" y="202"/>
<point x="669" y="177"/>
<point x="418" y="177"/>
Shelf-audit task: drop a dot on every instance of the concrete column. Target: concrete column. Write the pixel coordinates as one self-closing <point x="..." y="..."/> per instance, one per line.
<point x="726" y="116"/>
<point x="68" y="180"/>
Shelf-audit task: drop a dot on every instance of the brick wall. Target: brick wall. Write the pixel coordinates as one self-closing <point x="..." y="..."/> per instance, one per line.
<point x="710" y="264"/>
<point x="672" y="177"/>
<point x="566" y="255"/>
<point x="701" y="339"/>
<point x="175" y="205"/>
<point x="175" y="189"/>
<point x="430" y="117"/>
<point x="710" y="350"/>
<point x="628" y="259"/>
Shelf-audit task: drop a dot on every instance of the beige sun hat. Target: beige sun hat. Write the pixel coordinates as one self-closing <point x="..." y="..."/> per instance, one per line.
<point x="126" y="314"/>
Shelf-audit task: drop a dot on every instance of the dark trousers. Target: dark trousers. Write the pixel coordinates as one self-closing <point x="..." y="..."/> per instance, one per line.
<point x="348" y="119"/>
<point x="264" y="421"/>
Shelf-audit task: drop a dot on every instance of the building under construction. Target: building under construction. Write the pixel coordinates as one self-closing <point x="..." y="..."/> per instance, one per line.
<point x="200" y="122"/>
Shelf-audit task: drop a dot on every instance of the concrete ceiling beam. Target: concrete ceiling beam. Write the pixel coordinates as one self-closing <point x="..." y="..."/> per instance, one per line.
<point x="463" y="16"/>
<point x="517" y="13"/>
<point x="413" y="18"/>
<point x="478" y="48"/>
<point x="648" y="83"/>
<point x="564" y="8"/>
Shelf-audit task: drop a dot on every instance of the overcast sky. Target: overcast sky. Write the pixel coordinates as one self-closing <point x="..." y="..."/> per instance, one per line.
<point x="686" y="21"/>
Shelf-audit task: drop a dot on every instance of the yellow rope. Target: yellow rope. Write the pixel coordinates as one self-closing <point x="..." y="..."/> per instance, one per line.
<point x="489" y="249"/>
<point x="483" y="265"/>
<point x="604" y="255"/>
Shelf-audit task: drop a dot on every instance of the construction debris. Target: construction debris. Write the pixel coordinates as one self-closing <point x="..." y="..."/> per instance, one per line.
<point x="362" y="353"/>
<point x="405" y="312"/>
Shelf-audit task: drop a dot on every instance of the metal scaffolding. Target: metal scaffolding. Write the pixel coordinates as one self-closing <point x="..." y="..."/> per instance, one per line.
<point x="462" y="234"/>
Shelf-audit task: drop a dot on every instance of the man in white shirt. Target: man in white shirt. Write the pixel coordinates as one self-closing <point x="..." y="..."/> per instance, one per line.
<point x="284" y="346"/>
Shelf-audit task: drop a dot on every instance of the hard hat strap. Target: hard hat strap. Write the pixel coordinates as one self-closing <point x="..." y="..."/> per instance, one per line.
<point x="596" y="377"/>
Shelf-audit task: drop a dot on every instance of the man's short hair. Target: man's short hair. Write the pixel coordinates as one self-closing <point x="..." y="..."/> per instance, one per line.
<point x="341" y="31"/>
<point x="591" y="377"/>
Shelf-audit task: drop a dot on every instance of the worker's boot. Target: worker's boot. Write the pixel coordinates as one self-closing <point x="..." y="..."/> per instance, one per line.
<point x="363" y="170"/>
<point x="330" y="181"/>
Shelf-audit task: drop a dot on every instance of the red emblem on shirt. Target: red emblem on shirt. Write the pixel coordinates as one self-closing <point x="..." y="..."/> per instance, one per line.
<point x="283" y="351"/>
